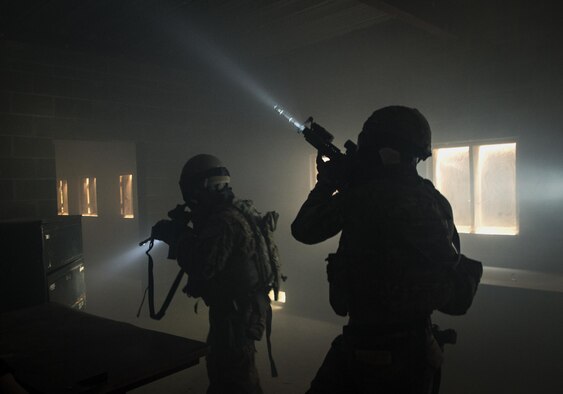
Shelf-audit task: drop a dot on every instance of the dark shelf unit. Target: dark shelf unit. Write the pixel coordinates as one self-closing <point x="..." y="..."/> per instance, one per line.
<point x="41" y="261"/>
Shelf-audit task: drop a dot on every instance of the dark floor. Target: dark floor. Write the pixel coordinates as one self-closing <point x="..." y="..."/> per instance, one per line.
<point x="299" y="344"/>
<point x="297" y="357"/>
<point x="508" y="343"/>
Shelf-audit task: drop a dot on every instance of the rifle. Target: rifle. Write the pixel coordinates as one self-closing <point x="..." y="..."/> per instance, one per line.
<point x="321" y="139"/>
<point x="318" y="136"/>
<point x="182" y="218"/>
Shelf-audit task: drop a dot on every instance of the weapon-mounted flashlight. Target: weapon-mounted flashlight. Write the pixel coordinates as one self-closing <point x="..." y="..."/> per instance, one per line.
<point x="289" y="118"/>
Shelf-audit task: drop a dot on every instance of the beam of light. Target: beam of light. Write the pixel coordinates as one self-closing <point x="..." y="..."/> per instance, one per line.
<point x="133" y="256"/>
<point x="194" y="42"/>
<point x="289" y="117"/>
<point x="186" y="35"/>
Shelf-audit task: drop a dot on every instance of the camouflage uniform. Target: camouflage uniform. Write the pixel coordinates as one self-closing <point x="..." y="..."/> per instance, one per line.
<point x="386" y="285"/>
<point x="219" y="259"/>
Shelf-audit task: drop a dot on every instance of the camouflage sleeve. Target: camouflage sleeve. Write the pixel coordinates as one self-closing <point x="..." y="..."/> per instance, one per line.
<point x="320" y="217"/>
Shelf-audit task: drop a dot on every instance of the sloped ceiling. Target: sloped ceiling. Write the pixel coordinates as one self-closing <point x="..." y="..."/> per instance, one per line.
<point x="143" y="26"/>
<point x="151" y="28"/>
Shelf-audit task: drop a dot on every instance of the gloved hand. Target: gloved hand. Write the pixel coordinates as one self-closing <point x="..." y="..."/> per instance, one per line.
<point x="331" y="175"/>
<point x="167" y="231"/>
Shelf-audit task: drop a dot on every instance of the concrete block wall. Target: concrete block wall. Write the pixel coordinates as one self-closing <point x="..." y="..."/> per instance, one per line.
<point x="48" y="94"/>
<point x="27" y="164"/>
<point x="159" y="166"/>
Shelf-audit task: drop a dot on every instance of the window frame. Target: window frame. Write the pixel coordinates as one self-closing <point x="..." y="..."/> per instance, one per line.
<point x="473" y="146"/>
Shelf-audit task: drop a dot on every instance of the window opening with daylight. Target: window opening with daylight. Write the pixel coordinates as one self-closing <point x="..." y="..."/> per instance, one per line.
<point x="126" y="196"/>
<point x="88" y="197"/>
<point x="281" y="297"/>
<point x="62" y="197"/>
<point x="479" y="180"/>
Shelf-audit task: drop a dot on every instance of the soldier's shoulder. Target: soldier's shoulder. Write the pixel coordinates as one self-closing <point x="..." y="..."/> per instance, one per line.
<point x="227" y="212"/>
<point x="232" y="216"/>
<point x="225" y="222"/>
<point x="437" y="195"/>
<point x="426" y="182"/>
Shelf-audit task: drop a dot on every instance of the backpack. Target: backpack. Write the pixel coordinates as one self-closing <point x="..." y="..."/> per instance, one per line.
<point x="268" y="260"/>
<point x="267" y="265"/>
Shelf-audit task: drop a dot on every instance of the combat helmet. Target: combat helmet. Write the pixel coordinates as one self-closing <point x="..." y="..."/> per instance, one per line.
<point x="401" y="128"/>
<point x="203" y="172"/>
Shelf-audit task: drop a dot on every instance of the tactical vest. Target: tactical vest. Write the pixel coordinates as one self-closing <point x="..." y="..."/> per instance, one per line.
<point x="387" y="224"/>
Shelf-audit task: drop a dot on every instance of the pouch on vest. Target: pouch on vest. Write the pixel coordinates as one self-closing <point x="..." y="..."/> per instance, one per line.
<point x="466" y="275"/>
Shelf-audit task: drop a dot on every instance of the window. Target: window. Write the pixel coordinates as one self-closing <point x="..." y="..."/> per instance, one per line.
<point x="88" y="197"/>
<point x="62" y="197"/>
<point x="479" y="180"/>
<point x="126" y="196"/>
<point x="453" y="179"/>
<point x="277" y="305"/>
<point x="495" y="189"/>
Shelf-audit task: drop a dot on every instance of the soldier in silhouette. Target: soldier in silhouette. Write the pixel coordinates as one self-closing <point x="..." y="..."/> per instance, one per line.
<point x="392" y="223"/>
<point x="218" y="252"/>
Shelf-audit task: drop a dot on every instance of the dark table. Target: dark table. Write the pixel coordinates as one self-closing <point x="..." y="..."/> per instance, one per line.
<point x="56" y="349"/>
